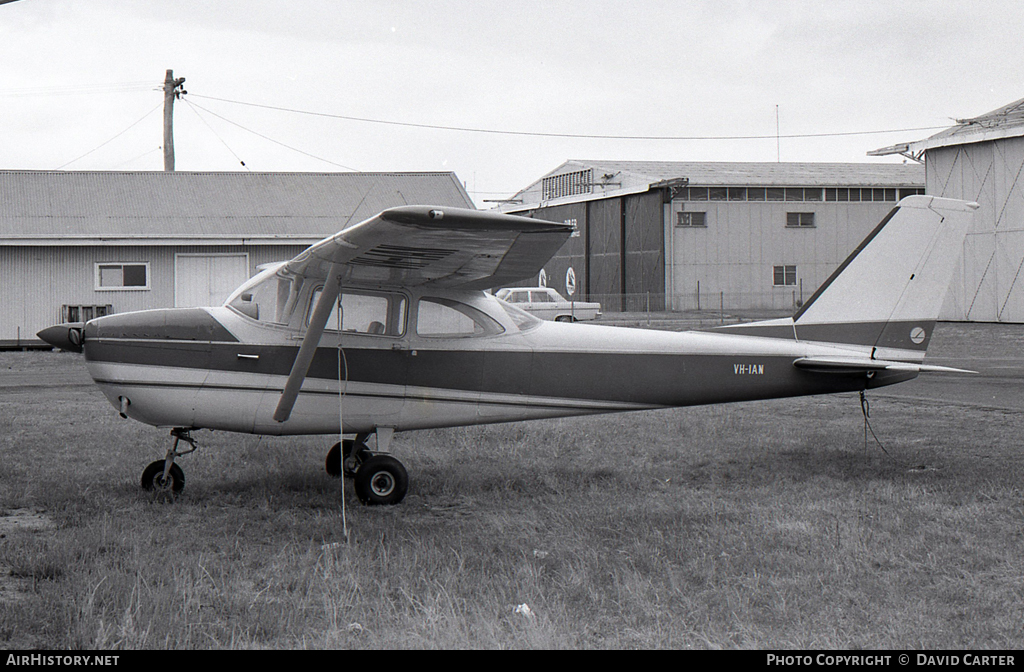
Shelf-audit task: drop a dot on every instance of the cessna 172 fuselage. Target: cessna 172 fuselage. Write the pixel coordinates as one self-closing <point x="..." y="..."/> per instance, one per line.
<point x="363" y="335"/>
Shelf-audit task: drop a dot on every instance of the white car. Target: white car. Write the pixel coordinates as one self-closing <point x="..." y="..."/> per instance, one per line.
<point x="548" y="304"/>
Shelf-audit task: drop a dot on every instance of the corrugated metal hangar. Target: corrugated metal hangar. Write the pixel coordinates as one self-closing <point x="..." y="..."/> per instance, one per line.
<point x="982" y="160"/>
<point x="76" y="245"/>
<point x="684" y="235"/>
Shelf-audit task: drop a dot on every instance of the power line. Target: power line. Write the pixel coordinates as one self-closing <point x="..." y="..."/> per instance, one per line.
<point x="77" y="89"/>
<point x="196" y="111"/>
<point x="146" y="153"/>
<point x="111" y="139"/>
<point x="587" y="136"/>
<point x="276" y="142"/>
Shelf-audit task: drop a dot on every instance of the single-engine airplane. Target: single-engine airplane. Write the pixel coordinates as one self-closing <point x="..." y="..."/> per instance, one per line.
<point x="385" y="327"/>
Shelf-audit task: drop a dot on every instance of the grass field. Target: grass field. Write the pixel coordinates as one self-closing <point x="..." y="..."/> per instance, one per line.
<point x="761" y="525"/>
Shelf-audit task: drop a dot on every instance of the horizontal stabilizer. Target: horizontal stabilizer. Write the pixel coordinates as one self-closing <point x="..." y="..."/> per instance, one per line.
<point x="864" y="364"/>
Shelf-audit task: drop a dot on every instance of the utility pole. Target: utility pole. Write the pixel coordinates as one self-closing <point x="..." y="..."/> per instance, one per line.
<point x="172" y="90"/>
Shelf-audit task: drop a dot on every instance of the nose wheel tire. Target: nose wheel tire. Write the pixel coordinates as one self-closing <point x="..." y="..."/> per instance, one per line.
<point x="381" y="479"/>
<point x="153" y="478"/>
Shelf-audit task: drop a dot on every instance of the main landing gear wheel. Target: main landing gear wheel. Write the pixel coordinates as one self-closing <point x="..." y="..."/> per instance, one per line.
<point x="355" y="453"/>
<point x="381" y="480"/>
<point x="153" y="478"/>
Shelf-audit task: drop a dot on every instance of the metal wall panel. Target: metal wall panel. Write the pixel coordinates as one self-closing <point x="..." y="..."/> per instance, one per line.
<point x="730" y="261"/>
<point x="37" y="281"/>
<point x="987" y="285"/>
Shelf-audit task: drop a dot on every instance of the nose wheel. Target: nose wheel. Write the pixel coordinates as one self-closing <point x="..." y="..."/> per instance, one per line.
<point x="164" y="476"/>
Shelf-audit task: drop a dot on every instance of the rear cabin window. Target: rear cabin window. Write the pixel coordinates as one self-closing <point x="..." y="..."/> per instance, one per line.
<point x="444" y="318"/>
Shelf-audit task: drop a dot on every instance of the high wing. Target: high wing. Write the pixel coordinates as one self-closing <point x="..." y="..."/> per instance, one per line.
<point x="418" y="245"/>
<point x="445" y="247"/>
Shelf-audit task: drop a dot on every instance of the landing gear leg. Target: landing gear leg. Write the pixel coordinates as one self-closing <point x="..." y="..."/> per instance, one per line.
<point x="347" y="455"/>
<point x="164" y="476"/>
<point x="379" y="478"/>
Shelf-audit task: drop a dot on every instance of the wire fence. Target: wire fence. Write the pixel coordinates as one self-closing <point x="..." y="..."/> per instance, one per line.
<point x="786" y="300"/>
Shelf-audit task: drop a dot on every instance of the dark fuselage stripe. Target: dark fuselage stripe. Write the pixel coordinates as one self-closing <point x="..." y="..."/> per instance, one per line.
<point x="660" y="379"/>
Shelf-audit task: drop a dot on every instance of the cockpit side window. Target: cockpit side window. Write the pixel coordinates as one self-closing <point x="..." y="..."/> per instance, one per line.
<point x="369" y="314"/>
<point x="445" y="318"/>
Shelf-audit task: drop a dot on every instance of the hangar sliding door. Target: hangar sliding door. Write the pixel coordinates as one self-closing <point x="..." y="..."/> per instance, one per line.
<point x="604" y="252"/>
<point x="643" y="248"/>
<point x="573" y="253"/>
<point x="207" y="279"/>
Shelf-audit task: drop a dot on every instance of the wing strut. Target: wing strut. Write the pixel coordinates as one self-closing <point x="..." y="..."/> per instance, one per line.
<point x="317" y="322"/>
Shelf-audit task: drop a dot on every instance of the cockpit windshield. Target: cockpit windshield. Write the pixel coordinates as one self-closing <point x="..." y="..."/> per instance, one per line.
<point x="270" y="296"/>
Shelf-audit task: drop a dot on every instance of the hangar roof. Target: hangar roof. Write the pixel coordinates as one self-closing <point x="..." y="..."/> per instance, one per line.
<point x="614" y="178"/>
<point x="57" y="207"/>
<point x="1005" y="122"/>
<point x="769" y="174"/>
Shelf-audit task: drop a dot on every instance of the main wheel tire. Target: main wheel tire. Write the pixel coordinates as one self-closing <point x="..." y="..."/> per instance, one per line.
<point x="381" y="480"/>
<point x="334" y="458"/>
<point x="153" y="478"/>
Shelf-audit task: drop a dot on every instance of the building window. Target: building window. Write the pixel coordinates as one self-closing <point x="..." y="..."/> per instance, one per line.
<point x="121" y="276"/>
<point x="795" y="194"/>
<point x="784" y="276"/>
<point x="568" y="184"/>
<point x="692" y="219"/>
<point x="799" y="219"/>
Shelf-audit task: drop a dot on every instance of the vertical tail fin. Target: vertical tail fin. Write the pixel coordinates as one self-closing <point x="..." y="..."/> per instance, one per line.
<point x="888" y="293"/>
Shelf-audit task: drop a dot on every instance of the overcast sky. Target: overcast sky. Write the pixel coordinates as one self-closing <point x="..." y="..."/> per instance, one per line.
<point x="76" y="74"/>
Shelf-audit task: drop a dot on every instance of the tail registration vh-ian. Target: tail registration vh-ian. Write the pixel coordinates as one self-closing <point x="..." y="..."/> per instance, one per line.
<point x="385" y="327"/>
